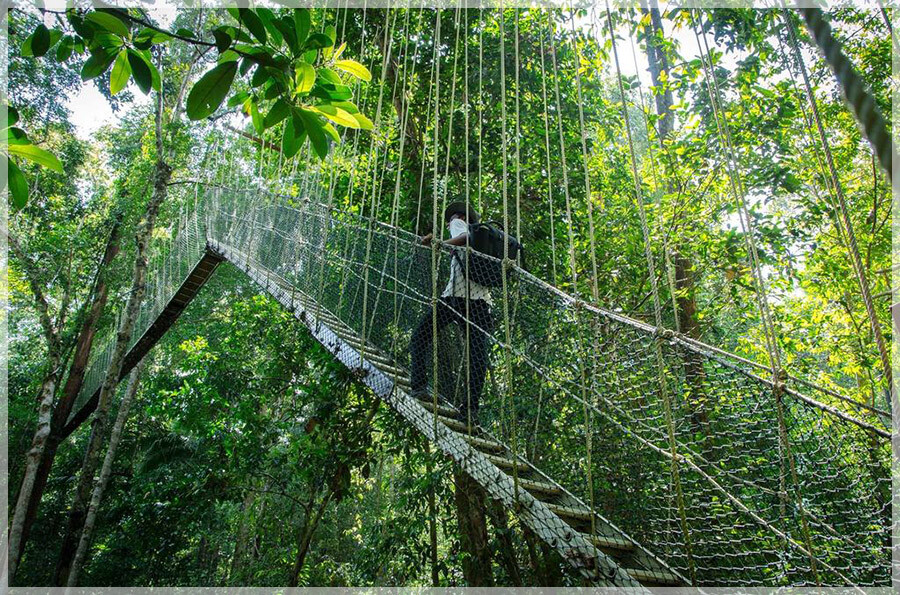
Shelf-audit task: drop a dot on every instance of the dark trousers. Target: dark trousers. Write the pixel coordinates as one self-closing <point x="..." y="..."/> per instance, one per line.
<point x="453" y="309"/>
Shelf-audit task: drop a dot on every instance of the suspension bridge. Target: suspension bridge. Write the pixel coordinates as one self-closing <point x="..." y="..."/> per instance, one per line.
<point x="722" y="476"/>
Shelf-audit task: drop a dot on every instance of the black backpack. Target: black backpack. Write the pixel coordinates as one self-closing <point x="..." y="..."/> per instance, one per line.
<point x="489" y="238"/>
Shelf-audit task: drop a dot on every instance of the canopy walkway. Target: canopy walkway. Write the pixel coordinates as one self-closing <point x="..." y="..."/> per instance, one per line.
<point x="717" y="476"/>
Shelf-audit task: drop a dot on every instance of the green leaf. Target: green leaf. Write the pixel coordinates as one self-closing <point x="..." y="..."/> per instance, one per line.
<point x="332" y="132"/>
<point x="96" y="64"/>
<point x="223" y="39"/>
<point x="330" y="76"/>
<point x="301" y="24"/>
<point x="238" y="98"/>
<point x="185" y="32"/>
<point x="206" y="96"/>
<point x="64" y="49"/>
<point x="268" y="19"/>
<point x="253" y="23"/>
<point x="337" y="115"/>
<point x="318" y="41"/>
<point x="37" y="43"/>
<point x="337" y="92"/>
<point x="55" y="35"/>
<point x="292" y="140"/>
<point x="340" y="50"/>
<point x="364" y="122"/>
<point x="121" y="72"/>
<point x="16" y="136"/>
<point x="315" y="129"/>
<point x="355" y="68"/>
<point x="105" y="41"/>
<point x="331" y="32"/>
<point x="37" y="155"/>
<point x="256" y="117"/>
<point x="228" y="56"/>
<point x="141" y="71"/>
<point x="306" y="77"/>
<point x="18" y="185"/>
<point x="280" y="110"/>
<point x="346" y="106"/>
<point x="108" y="22"/>
<point x="286" y="26"/>
<point x="12" y="115"/>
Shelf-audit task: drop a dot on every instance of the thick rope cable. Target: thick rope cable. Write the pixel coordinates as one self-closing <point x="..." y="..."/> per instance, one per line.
<point x="858" y="97"/>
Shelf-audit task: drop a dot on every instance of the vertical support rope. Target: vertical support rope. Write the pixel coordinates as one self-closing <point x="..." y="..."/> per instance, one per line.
<point x="507" y="391"/>
<point x="435" y="244"/>
<point x="657" y="311"/>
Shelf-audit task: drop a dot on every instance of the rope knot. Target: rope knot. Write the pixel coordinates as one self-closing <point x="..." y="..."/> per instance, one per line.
<point x="664" y="334"/>
<point x="779" y="382"/>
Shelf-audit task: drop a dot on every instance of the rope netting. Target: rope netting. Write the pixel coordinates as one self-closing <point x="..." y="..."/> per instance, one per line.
<point x="730" y="471"/>
<point x="741" y="510"/>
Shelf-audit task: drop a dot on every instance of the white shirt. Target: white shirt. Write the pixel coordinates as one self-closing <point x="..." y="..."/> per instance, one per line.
<point x="456" y="287"/>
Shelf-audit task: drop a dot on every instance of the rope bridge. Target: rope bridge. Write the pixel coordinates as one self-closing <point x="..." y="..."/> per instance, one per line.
<point x="585" y="449"/>
<point x="642" y="456"/>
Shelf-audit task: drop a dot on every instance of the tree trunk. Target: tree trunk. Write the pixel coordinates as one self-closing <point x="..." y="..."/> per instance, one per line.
<point x="45" y="406"/>
<point x="96" y="497"/>
<point x="72" y="387"/>
<point x="506" y="553"/>
<point x="161" y="176"/>
<point x="33" y="461"/>
<point x="470" y="512"/>
<point x="659" y="63"/>
<point x="309" y="527"/>
<point x="240" y="542"/>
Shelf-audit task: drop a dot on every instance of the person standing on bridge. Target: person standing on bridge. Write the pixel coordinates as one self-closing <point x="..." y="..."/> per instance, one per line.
<point x="463" y="302"/>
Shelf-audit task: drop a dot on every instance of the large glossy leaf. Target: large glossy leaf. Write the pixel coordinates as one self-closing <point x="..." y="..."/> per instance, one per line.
<point x="317" y="41"/>
<point x="306" y="77"/>
<point x="223" y="38"/>
<point x="253" y="23"/>
<point x="121" y="72"/>
<point x="36" y="155"/>
<point x="209" y="92"/>
<point x="292" y="139"/>
<point x="18" y="185"/>
<point x="37" y="43"/>
<point x="108" y="22"/>
<point x="315" y="129"/>
<point x="286" y="26"/>
<point x="64" y="49"/>
<point x="301" y="24"/>
<point x="96" y="64"/>
<point x="141" y="71"/>
<point x="280" y="110"/>
<point x="268" y="19"/>
<point x="355" y="68"/>
<point x="337" y="115"/>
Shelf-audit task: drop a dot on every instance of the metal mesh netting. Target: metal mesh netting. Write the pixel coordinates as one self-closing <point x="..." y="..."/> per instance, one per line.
<point x="576" y="391"/>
